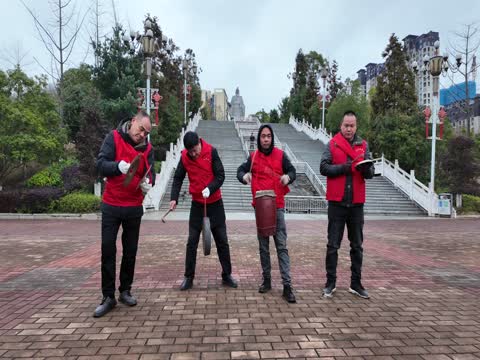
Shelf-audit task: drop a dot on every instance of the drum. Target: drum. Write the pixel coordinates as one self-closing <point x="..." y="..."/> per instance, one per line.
<point x="266" y="212"/>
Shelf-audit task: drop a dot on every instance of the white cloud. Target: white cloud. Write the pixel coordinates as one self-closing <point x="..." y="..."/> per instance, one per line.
<point x="252" y="44"/>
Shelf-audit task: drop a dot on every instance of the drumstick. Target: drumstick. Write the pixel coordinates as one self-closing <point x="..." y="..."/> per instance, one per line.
<point x="165" y="215"/>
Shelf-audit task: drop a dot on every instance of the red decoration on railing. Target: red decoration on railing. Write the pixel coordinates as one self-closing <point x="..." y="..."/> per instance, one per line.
<point x="427" y="113"/>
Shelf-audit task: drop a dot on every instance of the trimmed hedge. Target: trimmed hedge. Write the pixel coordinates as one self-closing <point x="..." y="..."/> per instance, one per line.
<point x="76" y="203"/>
<point x="471" y="204"/>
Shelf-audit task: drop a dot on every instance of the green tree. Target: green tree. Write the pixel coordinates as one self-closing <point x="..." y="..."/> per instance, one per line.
<point x="78" y="94"/>
<point x="263" y="116"/>
<point x="117" y="78"/>
<point x="402" y="137"/>
<point x="284" y="110"/>
<point x="274" y="117"/>
<point x="395" y="90"/>
<point x="335" y="84"/>
<point x="343" y="103"/>
<point x="30" y="122"/>
<point x="460" y="166"/>
<point x="171" y="122"/>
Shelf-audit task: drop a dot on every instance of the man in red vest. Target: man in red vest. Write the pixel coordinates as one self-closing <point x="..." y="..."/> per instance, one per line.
<point x="268" y="168"/>
<point x="346" y="196"/>
<point x="122" y="205"/>
<point x="206" y="175"/>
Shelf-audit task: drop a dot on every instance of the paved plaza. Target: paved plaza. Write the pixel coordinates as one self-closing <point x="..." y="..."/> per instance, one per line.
<point x="423" y="276"/>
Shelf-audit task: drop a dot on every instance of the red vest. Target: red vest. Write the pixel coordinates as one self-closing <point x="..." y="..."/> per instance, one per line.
<point x="336" y="185"/>
<point x="115" y="193"/>
<point x="200" y="173"/>
<point x="266" y="173"/>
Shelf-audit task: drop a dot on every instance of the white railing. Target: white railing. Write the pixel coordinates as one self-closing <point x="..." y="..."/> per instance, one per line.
<point x="305" y="168"/>
<point x="406" y="182"/>
<point x="315" y="134"/>
<point x="154" y="196"/>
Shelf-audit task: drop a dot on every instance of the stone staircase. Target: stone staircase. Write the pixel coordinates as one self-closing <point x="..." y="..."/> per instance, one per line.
<point x="223" y="136"/>
<point x="382" y="197"/>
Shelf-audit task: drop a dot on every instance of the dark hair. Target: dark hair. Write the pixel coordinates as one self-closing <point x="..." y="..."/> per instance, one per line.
<point x="190" y="140"/>
<point x="141" y="114"/>
<point x="349" y="113"/>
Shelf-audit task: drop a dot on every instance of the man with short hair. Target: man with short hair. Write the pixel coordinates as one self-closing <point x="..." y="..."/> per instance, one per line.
<point x="268" y="168"/>
<point x="205" y="171"/>
<point x="122" y="204"/>
<point x="346" y="196"/>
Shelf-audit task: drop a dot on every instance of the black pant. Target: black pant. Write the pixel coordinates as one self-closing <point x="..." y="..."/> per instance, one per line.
<point x="216" y="213"/>
<point x="130" y="218"/>
<point x="338" y="216"/>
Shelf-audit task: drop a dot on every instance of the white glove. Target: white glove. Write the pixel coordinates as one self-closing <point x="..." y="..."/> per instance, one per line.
<point x="284" y="179"/>
<point x="145" y="186"/>
<point x="206" y="192"/>
<point x="247" y="178"/>
<point x="123" y="166"/>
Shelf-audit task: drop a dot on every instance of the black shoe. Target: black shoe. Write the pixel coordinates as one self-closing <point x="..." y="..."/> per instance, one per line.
<point x="186" y="284"/>
<point x="107" y="304"/>
<point x="229" y="281"/>
<point x="288" y="294"/>
<point x="329" y="289"/>
<point x="359" y="290"/>
<point x="127" y="298"/>
<point x="266" y="286"/>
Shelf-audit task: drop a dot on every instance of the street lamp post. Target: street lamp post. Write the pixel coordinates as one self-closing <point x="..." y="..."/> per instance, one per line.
<point x="148" y="44"/>
<point x="186" y="65"/>
<point x="148" y="47"/>
<point x="435" y="66"/>
<point x="324" y="74"/>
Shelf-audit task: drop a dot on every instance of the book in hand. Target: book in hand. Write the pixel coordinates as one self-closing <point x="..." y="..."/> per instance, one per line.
<point x="364" y="164"/>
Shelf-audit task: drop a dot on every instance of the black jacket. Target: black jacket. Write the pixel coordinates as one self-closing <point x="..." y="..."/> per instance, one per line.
<point x="106" y="164"/>
<point x="181" y="172"/>
<point x="333" y="170"/>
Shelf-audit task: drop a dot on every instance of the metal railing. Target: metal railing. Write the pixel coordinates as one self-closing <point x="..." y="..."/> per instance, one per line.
<point x="305" y="204"/>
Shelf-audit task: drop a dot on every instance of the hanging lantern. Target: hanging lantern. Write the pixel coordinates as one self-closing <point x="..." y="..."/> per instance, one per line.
<point x="427" y="113"/>
<point x="442" y="114"/>
<point x="156" y="99"/>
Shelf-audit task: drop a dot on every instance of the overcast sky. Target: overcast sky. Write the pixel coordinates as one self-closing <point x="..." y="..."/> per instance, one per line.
<point x="251" y="43"/>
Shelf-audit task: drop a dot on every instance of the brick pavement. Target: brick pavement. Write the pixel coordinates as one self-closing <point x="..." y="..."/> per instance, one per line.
<point x="423" y="276"/>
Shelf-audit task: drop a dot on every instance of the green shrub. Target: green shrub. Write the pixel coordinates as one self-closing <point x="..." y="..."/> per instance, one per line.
<point x="76" y="203"/>
<point x="50" y="176"/>
<point x="471" y="204"/>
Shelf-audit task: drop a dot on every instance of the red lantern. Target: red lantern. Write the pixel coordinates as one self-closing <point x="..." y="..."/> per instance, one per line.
<point x="427" y="113"/>
<point x="442" y="114"/>
<point x="156" y="98"/>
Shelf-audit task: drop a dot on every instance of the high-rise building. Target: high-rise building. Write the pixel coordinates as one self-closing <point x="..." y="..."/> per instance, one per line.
<point x="220" y="105"/>
<point x="416" y="48"/>
<point x="368" y="76"/>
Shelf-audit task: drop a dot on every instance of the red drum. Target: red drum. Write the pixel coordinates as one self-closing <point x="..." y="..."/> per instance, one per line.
<point x="266" y="212"/>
